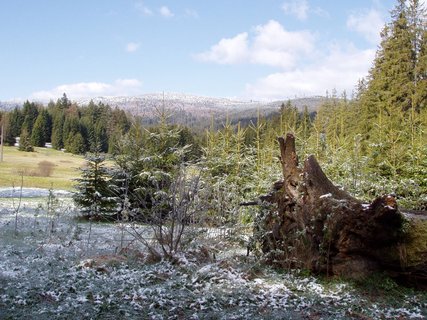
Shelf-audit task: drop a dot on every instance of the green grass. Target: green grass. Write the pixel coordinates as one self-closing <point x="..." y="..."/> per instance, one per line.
<point x="18" y="163"/>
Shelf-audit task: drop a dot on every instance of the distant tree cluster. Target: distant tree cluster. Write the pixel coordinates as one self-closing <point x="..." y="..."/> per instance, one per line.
<point x="66" y="126"/>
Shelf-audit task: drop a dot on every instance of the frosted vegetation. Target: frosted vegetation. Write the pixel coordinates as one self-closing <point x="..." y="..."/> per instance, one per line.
<point x="54" y="266"/>
<point x="178" y="246"/>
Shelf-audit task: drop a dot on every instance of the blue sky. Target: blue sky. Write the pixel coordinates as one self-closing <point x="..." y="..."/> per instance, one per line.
<point x="249" y="49"/>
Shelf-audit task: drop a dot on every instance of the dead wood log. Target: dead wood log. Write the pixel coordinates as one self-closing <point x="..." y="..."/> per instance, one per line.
<point x="313" y="224"/>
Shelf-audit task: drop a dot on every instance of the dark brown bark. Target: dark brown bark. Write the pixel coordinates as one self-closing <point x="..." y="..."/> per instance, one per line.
<point x="313" y="224"/>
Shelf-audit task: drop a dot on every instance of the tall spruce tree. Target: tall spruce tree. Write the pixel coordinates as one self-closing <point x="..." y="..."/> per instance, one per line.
<point x="421" y="74"/>
<point x="25" y="141"/>
<point x="390" y="102"/>
<point x="30" y="113"/>
<point x="73" y="140"/>
<point x="41" y="130"/>
<point x="63" y="103"/>
<point x="58" y="130"/>
<point x="16" y="120"/>
<point x="399" y="61"/>
<point x="94" y="194"/>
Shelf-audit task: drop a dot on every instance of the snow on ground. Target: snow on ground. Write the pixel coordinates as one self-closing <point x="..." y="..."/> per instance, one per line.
<point x="52" y="269"/>
<point x="30" y="193"/>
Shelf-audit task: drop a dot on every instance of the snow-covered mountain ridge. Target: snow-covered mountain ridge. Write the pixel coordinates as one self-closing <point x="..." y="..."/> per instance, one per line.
<point x="169" y="97"/>
<point x="190" y="109"/>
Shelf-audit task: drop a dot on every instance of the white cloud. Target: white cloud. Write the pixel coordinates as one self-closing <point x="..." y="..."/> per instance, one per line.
<point x="227" y="51"/>
<point x="143" y="9"/>
<point x="275" y="46"/>
<point x="132" y="47"/>
<point x="128" y="83"/>
<point x="339" y="69"/>
<point x="304" y="67"/>
<point x="191" y="13"/>
<point x="270" y="45"/>
<point x="120" y="87"/>
<point x="368" y="24"/>
<point x="166" y="12"/>
<point x="298" y="8"/>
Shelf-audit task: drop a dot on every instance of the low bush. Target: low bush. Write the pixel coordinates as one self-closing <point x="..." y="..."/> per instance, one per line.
<point x="45" y="168"/>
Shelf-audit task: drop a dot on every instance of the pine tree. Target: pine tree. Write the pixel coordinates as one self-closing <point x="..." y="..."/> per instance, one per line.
<point x="94" y="194"/>
<point x="147" y="162"/>
<point x="129" y="164"/>
<point x="63" y="103"/>
<point x="389" y="104"/>
<point x="58" y="131"/>
<point x="41" y="132"/>
<point x="304" y="127"/>
<point x="399" y="61"/>
<point x="25" y="141"/>
<point x="289" y="117"/>
<point x="30" y="113"/>
<point x="101" y="136"/>
<point x="119" y="121"/>
<point x="76" y="144"/>
<point x="113" y="141"/>
<point x="16" y="120"/>
<point x="421" y="73"/>
<point x="73" y="139"/>
<point x="9" y="138"/>
<point x="47" y="121"/>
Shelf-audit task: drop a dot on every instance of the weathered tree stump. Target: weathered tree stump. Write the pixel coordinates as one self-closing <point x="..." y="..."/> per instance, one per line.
<point x="313" y="224"/>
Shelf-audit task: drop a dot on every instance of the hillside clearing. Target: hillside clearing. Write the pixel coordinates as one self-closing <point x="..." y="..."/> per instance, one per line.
<point x="34" y="167"/>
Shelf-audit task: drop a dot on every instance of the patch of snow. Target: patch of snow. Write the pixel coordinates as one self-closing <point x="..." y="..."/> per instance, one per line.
<point x="366" y="206"/>
<point x="56" y="286"/>
<point x="30" y="193"/>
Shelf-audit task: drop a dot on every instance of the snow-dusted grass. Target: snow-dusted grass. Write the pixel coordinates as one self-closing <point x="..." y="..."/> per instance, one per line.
<point x="55" y="271"/>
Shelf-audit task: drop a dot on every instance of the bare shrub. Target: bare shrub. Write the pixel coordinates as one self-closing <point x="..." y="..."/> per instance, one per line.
<point x="172" y="230"/>
<point x="45" y="168"/>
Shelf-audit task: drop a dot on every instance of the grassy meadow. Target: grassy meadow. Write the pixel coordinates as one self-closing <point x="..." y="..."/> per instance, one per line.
<point x="43" y="168"/>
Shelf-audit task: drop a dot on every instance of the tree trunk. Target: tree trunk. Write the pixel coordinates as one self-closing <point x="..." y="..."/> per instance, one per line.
<point x="312" y="224"/>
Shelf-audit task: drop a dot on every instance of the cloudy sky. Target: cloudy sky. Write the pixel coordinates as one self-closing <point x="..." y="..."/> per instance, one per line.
<point x="249" y="49"/>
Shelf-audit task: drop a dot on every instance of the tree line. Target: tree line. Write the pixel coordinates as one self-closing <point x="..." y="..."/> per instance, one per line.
<point x="66" y="126"/>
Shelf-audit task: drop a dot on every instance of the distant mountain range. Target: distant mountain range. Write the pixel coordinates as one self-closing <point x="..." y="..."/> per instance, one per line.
<point x="199" y="111"/>
<point x="9" y="105"/>
<point x="192" y="110"/>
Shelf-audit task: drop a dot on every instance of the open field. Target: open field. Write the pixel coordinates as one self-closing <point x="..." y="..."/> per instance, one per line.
<point x="34" y="167"/>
